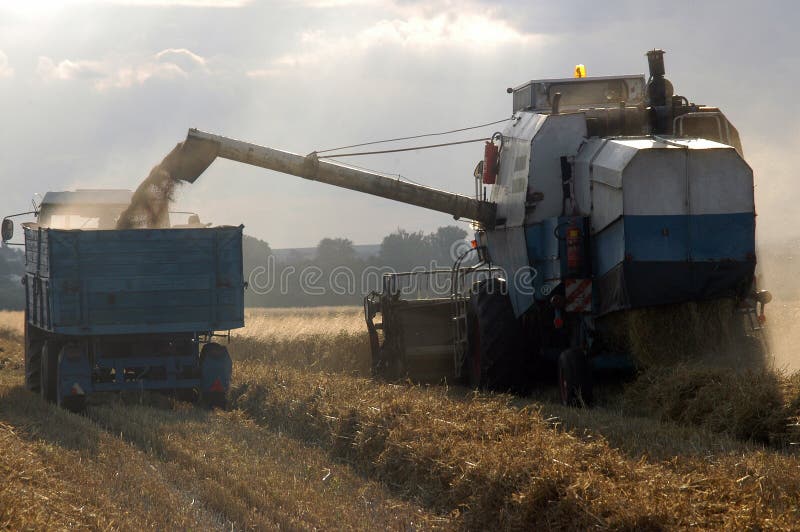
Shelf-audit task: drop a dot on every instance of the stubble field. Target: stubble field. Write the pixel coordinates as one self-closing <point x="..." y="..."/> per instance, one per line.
<point x="310" y="443"/>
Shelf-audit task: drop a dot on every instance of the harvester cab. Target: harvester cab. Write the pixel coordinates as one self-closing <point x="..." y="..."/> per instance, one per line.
<point x="600" y="197"/>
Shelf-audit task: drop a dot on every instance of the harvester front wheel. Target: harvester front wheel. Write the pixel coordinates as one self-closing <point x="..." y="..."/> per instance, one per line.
<point x="494" y="343"/>
<point x="574" y="378"/>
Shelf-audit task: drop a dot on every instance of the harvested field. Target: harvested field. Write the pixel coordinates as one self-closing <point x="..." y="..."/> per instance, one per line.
<point x="310" y="443"/>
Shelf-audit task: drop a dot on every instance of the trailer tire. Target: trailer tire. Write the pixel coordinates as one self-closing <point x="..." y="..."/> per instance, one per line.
<point x="494" y="343"/>
<point x="74" y="403"/>
<point x="49" y="371"/>
<point x="216" y="355"/>
<point x="212" y="400"/>
<point x="574" y="378"/>
<point x="33" y="358"/>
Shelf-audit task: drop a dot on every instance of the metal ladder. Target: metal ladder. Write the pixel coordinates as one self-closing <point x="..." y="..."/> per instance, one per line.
<point x="460" y="304"/>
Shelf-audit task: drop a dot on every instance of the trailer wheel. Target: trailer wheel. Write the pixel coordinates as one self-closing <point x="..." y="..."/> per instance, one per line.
<point x="49" y="371"/>
<point x="493" y="361"/>
<point x="73" y="403"/>
<point x="215" y="366"/>
<point x="574" y="378"/>
<point x="33" y="359"/>
<point x="212" y="400"/>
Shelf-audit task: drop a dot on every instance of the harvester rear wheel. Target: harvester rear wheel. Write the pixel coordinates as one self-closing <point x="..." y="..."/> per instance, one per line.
<point x="49" y="371"/>
<point x="574" y="378"/>
<point x="495" y="334"/>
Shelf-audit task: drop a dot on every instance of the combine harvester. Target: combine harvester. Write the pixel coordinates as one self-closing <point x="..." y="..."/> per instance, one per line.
<point x="112" y="310"/>
<point x="605" y="195"/>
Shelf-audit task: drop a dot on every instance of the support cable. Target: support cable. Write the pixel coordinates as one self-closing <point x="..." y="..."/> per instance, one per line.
<point x="415" y="136"/>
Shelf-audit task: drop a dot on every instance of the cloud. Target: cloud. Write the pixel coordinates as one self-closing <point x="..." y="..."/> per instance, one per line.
<point x="414" y="31"/>
<point x="68" y="70"/>
<point x="40" y="6"/>
<point x="181" y="3"/>
<point x="187" y="60"/>
<point x="119" y="73"/>
<point x="5" y="70"/>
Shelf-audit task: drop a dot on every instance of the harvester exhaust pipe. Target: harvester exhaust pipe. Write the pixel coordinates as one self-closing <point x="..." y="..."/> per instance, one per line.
<point x="657" y="84"/>
<point x="201" y="148"/>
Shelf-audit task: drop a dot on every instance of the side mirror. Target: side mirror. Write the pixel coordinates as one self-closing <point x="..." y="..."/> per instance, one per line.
<point x="8" y="229"/>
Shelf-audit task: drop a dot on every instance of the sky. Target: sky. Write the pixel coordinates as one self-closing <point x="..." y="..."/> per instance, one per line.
<point x="95" y="93"/>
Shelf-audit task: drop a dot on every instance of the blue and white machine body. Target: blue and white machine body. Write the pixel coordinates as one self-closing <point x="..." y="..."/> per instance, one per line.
<point x="662" y="218"/>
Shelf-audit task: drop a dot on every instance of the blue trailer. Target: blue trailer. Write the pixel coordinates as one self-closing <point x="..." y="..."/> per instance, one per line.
<point x="112" y="310"/>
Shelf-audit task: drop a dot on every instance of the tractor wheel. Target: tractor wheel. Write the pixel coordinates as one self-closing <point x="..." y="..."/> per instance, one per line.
<point x="472" y="371"/>
<point x="49" y="371"/>
<point x="574" y="378"/>
<point x="494" y="346"/>
<point x="33" y="359"/>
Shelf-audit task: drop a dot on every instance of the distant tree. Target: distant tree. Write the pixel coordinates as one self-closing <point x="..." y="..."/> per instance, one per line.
<point x="444" y="242"/>
<point x="403" y="250"/>
<point x="12" y="268"/>
<point x="332" y="252"/>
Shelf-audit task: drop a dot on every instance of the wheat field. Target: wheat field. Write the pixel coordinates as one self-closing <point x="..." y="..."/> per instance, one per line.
<point x="309" y="442"/>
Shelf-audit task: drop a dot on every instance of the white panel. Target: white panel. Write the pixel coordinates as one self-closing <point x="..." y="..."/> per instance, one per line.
<point x="721" y="182"/>
<point x="655" y="182"/>
<point x="507" y="249"/>
<point x="511" y="188"/>
<point x="580" y="173"/>
<point x="560" y="135"/>
<point x="605" y="168"/>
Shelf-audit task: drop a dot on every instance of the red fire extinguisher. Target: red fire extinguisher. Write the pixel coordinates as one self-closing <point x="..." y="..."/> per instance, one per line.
<point x="491" y="161"/>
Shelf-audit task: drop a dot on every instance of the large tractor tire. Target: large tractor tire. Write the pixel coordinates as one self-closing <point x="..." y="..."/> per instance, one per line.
<point x="494" y="353"/>
<point x="574" y="378"/>
<point x="49" y="371"/>
<point x="33" y="358"/>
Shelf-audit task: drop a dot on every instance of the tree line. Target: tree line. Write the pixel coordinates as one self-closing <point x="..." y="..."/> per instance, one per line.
<point x="335" y="274"/>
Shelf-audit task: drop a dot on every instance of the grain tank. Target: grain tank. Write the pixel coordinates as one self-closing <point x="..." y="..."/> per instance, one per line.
<point x="600" y="196"/>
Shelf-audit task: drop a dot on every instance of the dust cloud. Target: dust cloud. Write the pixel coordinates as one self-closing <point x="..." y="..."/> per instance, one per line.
<point x="149" y="208"/>
<point x="778" y="235"/>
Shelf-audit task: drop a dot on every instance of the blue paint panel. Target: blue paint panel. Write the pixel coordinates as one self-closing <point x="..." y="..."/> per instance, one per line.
<point x="543" y="254"/>
<point x="139" y="281"/>
<point x="608" y="247"/>
<point x="695" y="237"/>
<point x="723" y="236"/>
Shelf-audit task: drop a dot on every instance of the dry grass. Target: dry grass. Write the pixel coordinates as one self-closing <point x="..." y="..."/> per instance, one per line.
<point x="148" y="462"/>
<point x="495" y="465"/>
<point x="310" y="445"/>
<point x="320" y="338"/>
<point x="753" y="405"/>
<point x="670" y="334"/>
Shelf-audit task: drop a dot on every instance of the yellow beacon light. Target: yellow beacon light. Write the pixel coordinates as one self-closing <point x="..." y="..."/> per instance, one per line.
<point x="580" y="71"/>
